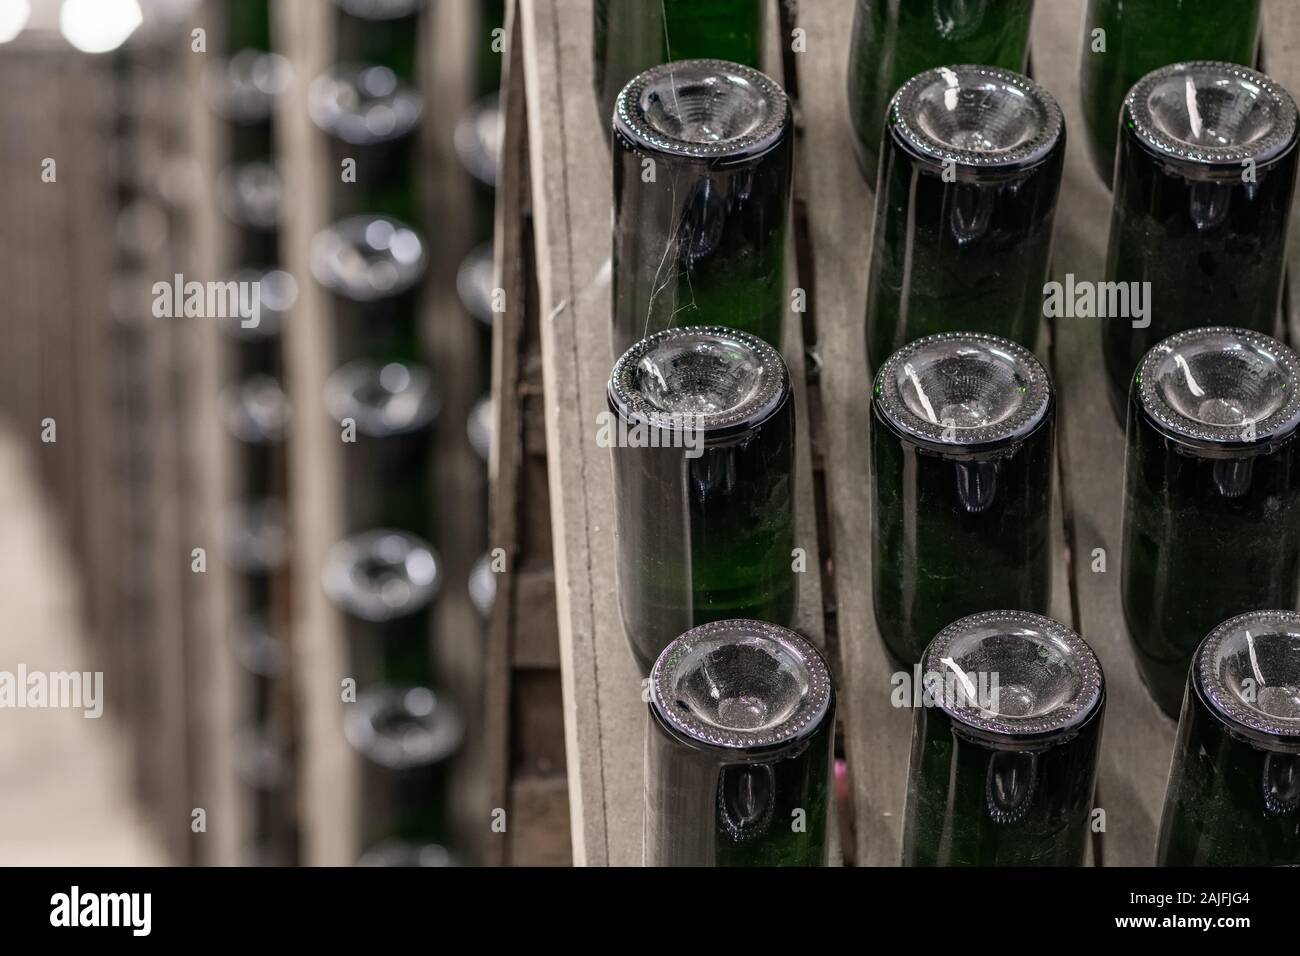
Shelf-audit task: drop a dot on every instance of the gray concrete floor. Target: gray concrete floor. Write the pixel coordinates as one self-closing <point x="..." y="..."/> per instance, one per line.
<point x="65" y="791"/>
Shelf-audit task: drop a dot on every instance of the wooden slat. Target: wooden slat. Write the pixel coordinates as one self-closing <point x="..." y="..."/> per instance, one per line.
<point x="213" y="695"/>
<point x="329" y="795"/>
<point x="543" y="800"/>
<point x="604" y="717"/>
<point x="505" y="478"/>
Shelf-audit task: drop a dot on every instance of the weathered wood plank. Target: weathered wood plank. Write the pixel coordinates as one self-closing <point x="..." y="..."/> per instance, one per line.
<point x="329" y="795"/>
<point x="506" y="465"/>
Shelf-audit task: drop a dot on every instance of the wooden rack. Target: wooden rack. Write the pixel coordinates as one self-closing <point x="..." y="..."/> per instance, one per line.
<point x="569" y="217"/>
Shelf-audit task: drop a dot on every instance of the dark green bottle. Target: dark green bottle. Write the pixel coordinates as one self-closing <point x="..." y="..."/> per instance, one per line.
<point x="401" y="853"/>
<point x="630" y="36"/>
<point x="255" y="546"/>
<point x="242" y="90"/>
<point x="256" y="413"/>
<point x="248" y="24"/>
<point x="382" y="32"/>
<point x="701" y="425"/>
<point x="385" y="582"/>
<point x="962" y="428"/>
<point x="256" y="339"/>
<point x="1234" y="787"/>
<point x="408" y="737"/>
<point x="1210" y="474"/>
<point x="375" y="268"/>
<point x="893" y="42"/>
<point x="387" y="478"/>
<point x="1144" y="35"/>
<point x="491" y="46"/>
<point x="964" y="208"/>
<point x="251" y="196"/>
<point x="372" y="118"/>
<point x="264" y="659"/>
<point x="263" y="763"/>
<point x="702" y="164"/>
<point x="1004" y="745"/>
<point x="739" y="747"/>
<point x="478" y="146"/>
<point x="1202" y="205"/>
<point x="475" y="285"/>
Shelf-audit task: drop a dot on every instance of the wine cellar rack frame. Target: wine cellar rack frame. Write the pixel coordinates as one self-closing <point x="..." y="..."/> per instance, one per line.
<point x="569" y="219"/>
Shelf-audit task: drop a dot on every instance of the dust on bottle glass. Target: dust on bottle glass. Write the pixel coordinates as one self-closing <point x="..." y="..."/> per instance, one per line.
<point x="1233" y="797"/>
<point x="631" y="36"/>
<point x="962" y="432"/>
<point x="1211" y="524"/>
<point x="1004" y="746"/>
<point x="702" y="170"/>
<point x="701" y="426"/>
<point x="1201" y="212"/>
<point x="893" y="42"/>
<point x="739" y="746"/>
<point x="965" y="208"/>
<point x="1124" y="40"/>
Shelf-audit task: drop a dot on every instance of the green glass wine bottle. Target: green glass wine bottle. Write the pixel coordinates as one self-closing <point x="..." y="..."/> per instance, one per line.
<point x="382" y="32"/>
<point x="701" y="426"/>
<point x="242" y="90"/>
<point x="255" y="546"/>
<point x="256" y="413"/>
<point x="263" y="764"/>
<point x="893" y="42"/>
<point x="702" y="165"/>
<point x="1124" y="40"/>
<point x="407" y="854"/>
<point x="631" y="36"/>
<point x="256" y="338"/>
<point x="385" y="582"/>
<point x="491" y="46"/>
<point x="387" y="478"/>
<point x="1004" y="745"/>
<point x="1204" y="183"/>
<point x="1210" y="473"/>
<point x="964" y="210"/>
<point x="1234" y="787"/>
<point x="248" y="25"/>
<point x="739" y="747"/>
<point x="408" y="736"/>
<point x="251" y="196"/>
<point x="962" y="431"/>
<point x="478" y="146"/>
<point x="374" y="266"/>
<point x="263" y="657"/>
<point x="372" y="120"/>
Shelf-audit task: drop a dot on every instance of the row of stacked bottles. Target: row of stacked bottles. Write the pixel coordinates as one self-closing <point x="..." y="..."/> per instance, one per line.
<point x="371" y="115"/>
<point x="967" y="155"/>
